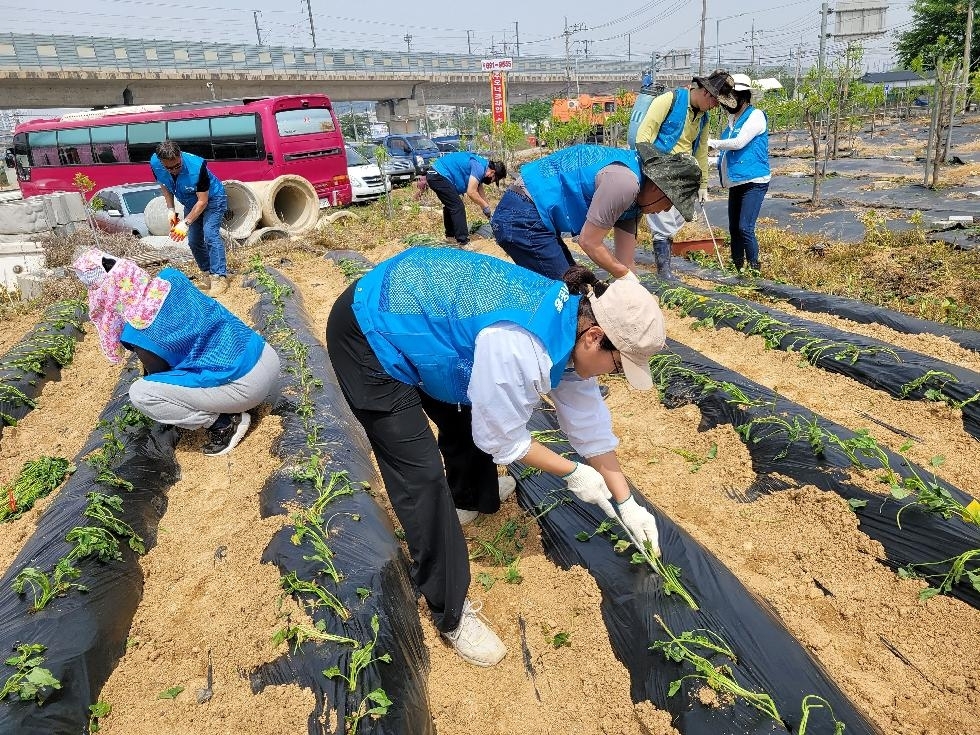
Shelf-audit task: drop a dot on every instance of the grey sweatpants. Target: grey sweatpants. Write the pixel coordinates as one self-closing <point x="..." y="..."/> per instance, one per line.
<point x="194" y="408"/>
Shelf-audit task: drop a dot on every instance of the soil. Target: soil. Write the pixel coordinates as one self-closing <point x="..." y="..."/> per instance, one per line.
<point x="913" y="667"/>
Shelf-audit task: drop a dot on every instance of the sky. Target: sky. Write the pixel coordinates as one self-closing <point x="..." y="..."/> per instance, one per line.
<point x="632" y="29"/>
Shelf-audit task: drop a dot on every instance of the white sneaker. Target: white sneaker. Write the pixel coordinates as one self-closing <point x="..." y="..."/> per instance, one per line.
<point x="474" y="640"/>
<point x="466" y="516"/>
<point x="506" y="486"/>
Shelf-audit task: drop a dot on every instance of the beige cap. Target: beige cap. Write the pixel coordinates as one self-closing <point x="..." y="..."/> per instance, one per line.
<point x="631" y="318"/>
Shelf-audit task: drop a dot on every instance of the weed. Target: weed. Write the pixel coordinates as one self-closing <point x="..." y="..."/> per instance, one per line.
<point x="98" y="711"/>
<point x="486" y="580"/>
<point x="559" y="639"/>
<point x="300" y="634"/>
<point x="37" y="479"/>
<point x="376" y="703"/>
<point x="31" y="680"/>
<point x="695" y="460"/>
<point x="512" y="575"/>
<point x="352" y="269"/>
<point x="170" y="693"/>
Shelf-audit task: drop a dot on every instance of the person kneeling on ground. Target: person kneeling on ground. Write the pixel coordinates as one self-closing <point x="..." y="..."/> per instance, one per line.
<point x="203" y="367"/>
<point x="472" y="342"/>
<point x="455" y="174"/>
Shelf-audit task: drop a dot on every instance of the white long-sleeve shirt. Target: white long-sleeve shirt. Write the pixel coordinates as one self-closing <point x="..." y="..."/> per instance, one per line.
<point x="511" y="371"/>
<point x="754" y="125"/>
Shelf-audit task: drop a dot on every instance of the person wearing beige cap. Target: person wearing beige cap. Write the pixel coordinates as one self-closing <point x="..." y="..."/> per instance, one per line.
<point x="472" y="342"/>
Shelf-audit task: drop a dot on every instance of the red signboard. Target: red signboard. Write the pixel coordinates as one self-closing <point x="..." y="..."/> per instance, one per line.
<point x="498" y="97"/>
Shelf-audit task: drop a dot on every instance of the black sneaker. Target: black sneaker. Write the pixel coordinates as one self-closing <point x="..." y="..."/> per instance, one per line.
<point x="603" y="390"/>
<point x="226" y="432"/>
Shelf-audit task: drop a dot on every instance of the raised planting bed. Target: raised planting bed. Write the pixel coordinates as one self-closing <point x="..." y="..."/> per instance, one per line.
<point x="364" y="659"/>
<point x="38" y="358"/>
<point x="74" y="587"/>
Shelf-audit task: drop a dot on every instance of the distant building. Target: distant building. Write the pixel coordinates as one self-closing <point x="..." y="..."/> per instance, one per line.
<point x="896" y="79"/>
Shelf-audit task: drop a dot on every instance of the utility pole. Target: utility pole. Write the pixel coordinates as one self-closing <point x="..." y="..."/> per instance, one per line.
<point x="309" y="12"/>
<point x="752" y="64"/>
<point x="567" y="33"/>
<point x="469" y="48"/>
<point x="824" y="12"/>
<point x="255" y="17"/>
<point x="517" y="36"/>
<point x="407" y="38"/>
<point x="704" y="15"/>
<point x="585" y="42"/>
<point x="627" y="47"/>
<point x="796" y="77"/>
<point x="967" y="50"/>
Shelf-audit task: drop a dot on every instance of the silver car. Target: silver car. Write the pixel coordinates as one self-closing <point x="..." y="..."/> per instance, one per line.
<point x="122" y="208"/>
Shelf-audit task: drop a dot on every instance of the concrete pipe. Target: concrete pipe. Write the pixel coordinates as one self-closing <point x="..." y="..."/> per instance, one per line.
<point x="288" y="202"/>
<point x="265" y="234"/>
<point x="244" y="210"/>
<point x="155" y="214"/>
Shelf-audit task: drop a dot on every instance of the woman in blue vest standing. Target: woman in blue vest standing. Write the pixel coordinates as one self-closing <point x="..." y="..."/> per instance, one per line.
<point x="203" y="367"/>
<point x="587" y="190"/>
<point x="455" y="174"/>
<point x="743" y="165"/>
<point x="186" y="178"/>
<point x="472" y="342"/>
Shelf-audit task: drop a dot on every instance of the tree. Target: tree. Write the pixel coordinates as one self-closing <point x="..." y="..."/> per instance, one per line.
<point x="931" y="21"/>
<point x="817" y="98"/>
<point x="355" y="125"/>
<point x="531" y="115"/>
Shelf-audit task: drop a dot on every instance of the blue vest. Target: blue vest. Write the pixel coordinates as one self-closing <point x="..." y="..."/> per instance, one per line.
<point x="562" y="185"/>
<point x="456" y="168"/>
<point x="422" y="310"/>
<point x="752" y="161"/>
<point x="184" y="187"/>
<point x="204" y="343"/>
<point x="672" y="127"/>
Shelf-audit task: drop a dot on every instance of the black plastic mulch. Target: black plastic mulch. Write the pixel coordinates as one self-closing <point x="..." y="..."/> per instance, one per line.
<point x="85" y="634"/>
<point x="374" y="570"/>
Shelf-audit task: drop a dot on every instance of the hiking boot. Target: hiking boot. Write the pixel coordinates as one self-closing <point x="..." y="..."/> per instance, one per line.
<point x="226" y="433"/>
<point x="466" y="516"/>
<point x="219" y="284"/>
<point x="474" y="640"/>
<point x="506" y="486"/>
<point x="204" y="281"/>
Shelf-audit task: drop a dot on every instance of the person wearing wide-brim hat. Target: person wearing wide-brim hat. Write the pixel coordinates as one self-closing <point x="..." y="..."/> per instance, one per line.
<point x="675" y="122"/>
<point x="588" y="190"/>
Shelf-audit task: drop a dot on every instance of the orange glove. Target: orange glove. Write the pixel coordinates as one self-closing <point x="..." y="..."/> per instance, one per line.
<point x="178" y="233"/>
<point x="174" y="219"/>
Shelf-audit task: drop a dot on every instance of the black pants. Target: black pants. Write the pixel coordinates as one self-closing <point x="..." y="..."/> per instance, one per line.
<point x="453" y="209"/>
<point x="423" y="492"/>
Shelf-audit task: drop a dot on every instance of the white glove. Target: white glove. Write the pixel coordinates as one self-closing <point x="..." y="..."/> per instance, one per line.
<point x="702" y="195"/>
<point x="640" y="523"/>
<point x="629" y="276"/>
<point x="589" y="487"/>
<point x="712" y="143"/>
<point x="172" y="217"/>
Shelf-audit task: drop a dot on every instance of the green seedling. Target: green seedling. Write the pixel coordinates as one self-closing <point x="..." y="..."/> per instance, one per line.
<point x="93" y="541"/>
<point x="695" y="460"/>
<point x="696" y="647"/>
<point x="812" y="702"/>
<point x="36" y="480"/>
<point x="13" y="396"/>
<point x="560" y="639"/>
<point x="43" y="588"/>
<point x="486" y="580"/>
<point x="508" y="541"/>
<point x="103" y="508"/>
<point x="306" y="531"/>
<point x="376" y="703"/>
<point x="30" y="680"/>
<point x="667" y="368"/>
<point x="352" y="269"/>
<point x="294" y="585"/>
<point x="362" y="593"/>
<point x="98" y="711"/>
<point x="170" y="693"/>
<point x="300" y="634"/>
<point x="512" y="575"/>
<point x="958" y="571"/>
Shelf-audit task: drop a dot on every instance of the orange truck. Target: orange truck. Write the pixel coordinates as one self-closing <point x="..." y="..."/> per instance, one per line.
<point x="594" y="108"/>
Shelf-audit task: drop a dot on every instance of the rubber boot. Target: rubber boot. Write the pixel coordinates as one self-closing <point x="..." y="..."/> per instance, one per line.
<point x="661" y="256"/>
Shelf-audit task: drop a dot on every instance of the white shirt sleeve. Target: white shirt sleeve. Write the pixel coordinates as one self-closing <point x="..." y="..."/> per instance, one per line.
<point x="511" y="371"/>
<point x="753" y="126"/>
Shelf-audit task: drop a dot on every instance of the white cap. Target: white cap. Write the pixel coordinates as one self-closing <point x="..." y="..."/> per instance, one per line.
<point x="741" y="82"/>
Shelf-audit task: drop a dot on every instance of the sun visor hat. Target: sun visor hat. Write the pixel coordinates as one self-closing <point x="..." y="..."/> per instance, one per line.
<point x="632" y="320"/>
<point x="720" y="84"/>
<point x="678" y="175"/>
<point x="741" y="82"/>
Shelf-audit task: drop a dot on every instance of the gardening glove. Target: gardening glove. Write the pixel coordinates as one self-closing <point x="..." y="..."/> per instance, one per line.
<point x="589" y="487"/>
<point x="486" y="212"/>
<point x="178" y="233"/>
<point x="702" y="195"/>
<point x="713" y="143"/>
<point x="629" y="276"/>
<point x="640" y="523"/>
<point x="172" y="218"/>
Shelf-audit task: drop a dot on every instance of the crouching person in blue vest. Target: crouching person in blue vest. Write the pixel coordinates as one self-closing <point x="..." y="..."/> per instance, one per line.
<point x="743" y="165"/>
<point x="587" y="190"/>
<point x="203" y="367"/>
<point x="455" y="174"/>
<point x="472" y="342"/>
<point x="186" y="178"/>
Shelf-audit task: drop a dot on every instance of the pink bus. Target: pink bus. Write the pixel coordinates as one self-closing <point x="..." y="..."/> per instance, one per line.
<point x="249" y="140"/>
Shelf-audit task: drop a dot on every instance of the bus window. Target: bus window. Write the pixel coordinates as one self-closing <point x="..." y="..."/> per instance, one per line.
<point x="193" y="136"/>
<point x="305" y="121"/>
<point x="143" y="139"/>
<point x="22" y="157"/>
<point x="235" y="138"/>
<point x="109" y="144"/>
<point x="74" y="146"/>
<point x="44" y="148"/>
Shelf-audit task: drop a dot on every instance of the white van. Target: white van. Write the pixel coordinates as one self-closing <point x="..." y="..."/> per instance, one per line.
<point x="366" y="180"/>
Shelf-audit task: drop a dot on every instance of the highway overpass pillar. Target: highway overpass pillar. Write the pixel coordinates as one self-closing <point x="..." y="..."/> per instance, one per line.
<point x="402" y="115"/>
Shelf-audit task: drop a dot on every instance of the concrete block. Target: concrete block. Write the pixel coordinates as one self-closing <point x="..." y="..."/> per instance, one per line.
<point x="76" y="206"/>
<point x="960" y="218"/>
<point x="30" y="285"/>
<point x="55" y="211"/>
<point x="17" y="258"/>
<point x="23" y="217"/>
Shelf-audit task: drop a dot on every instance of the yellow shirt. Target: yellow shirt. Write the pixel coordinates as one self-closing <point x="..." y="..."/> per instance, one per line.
<point x="650" y="128"/>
